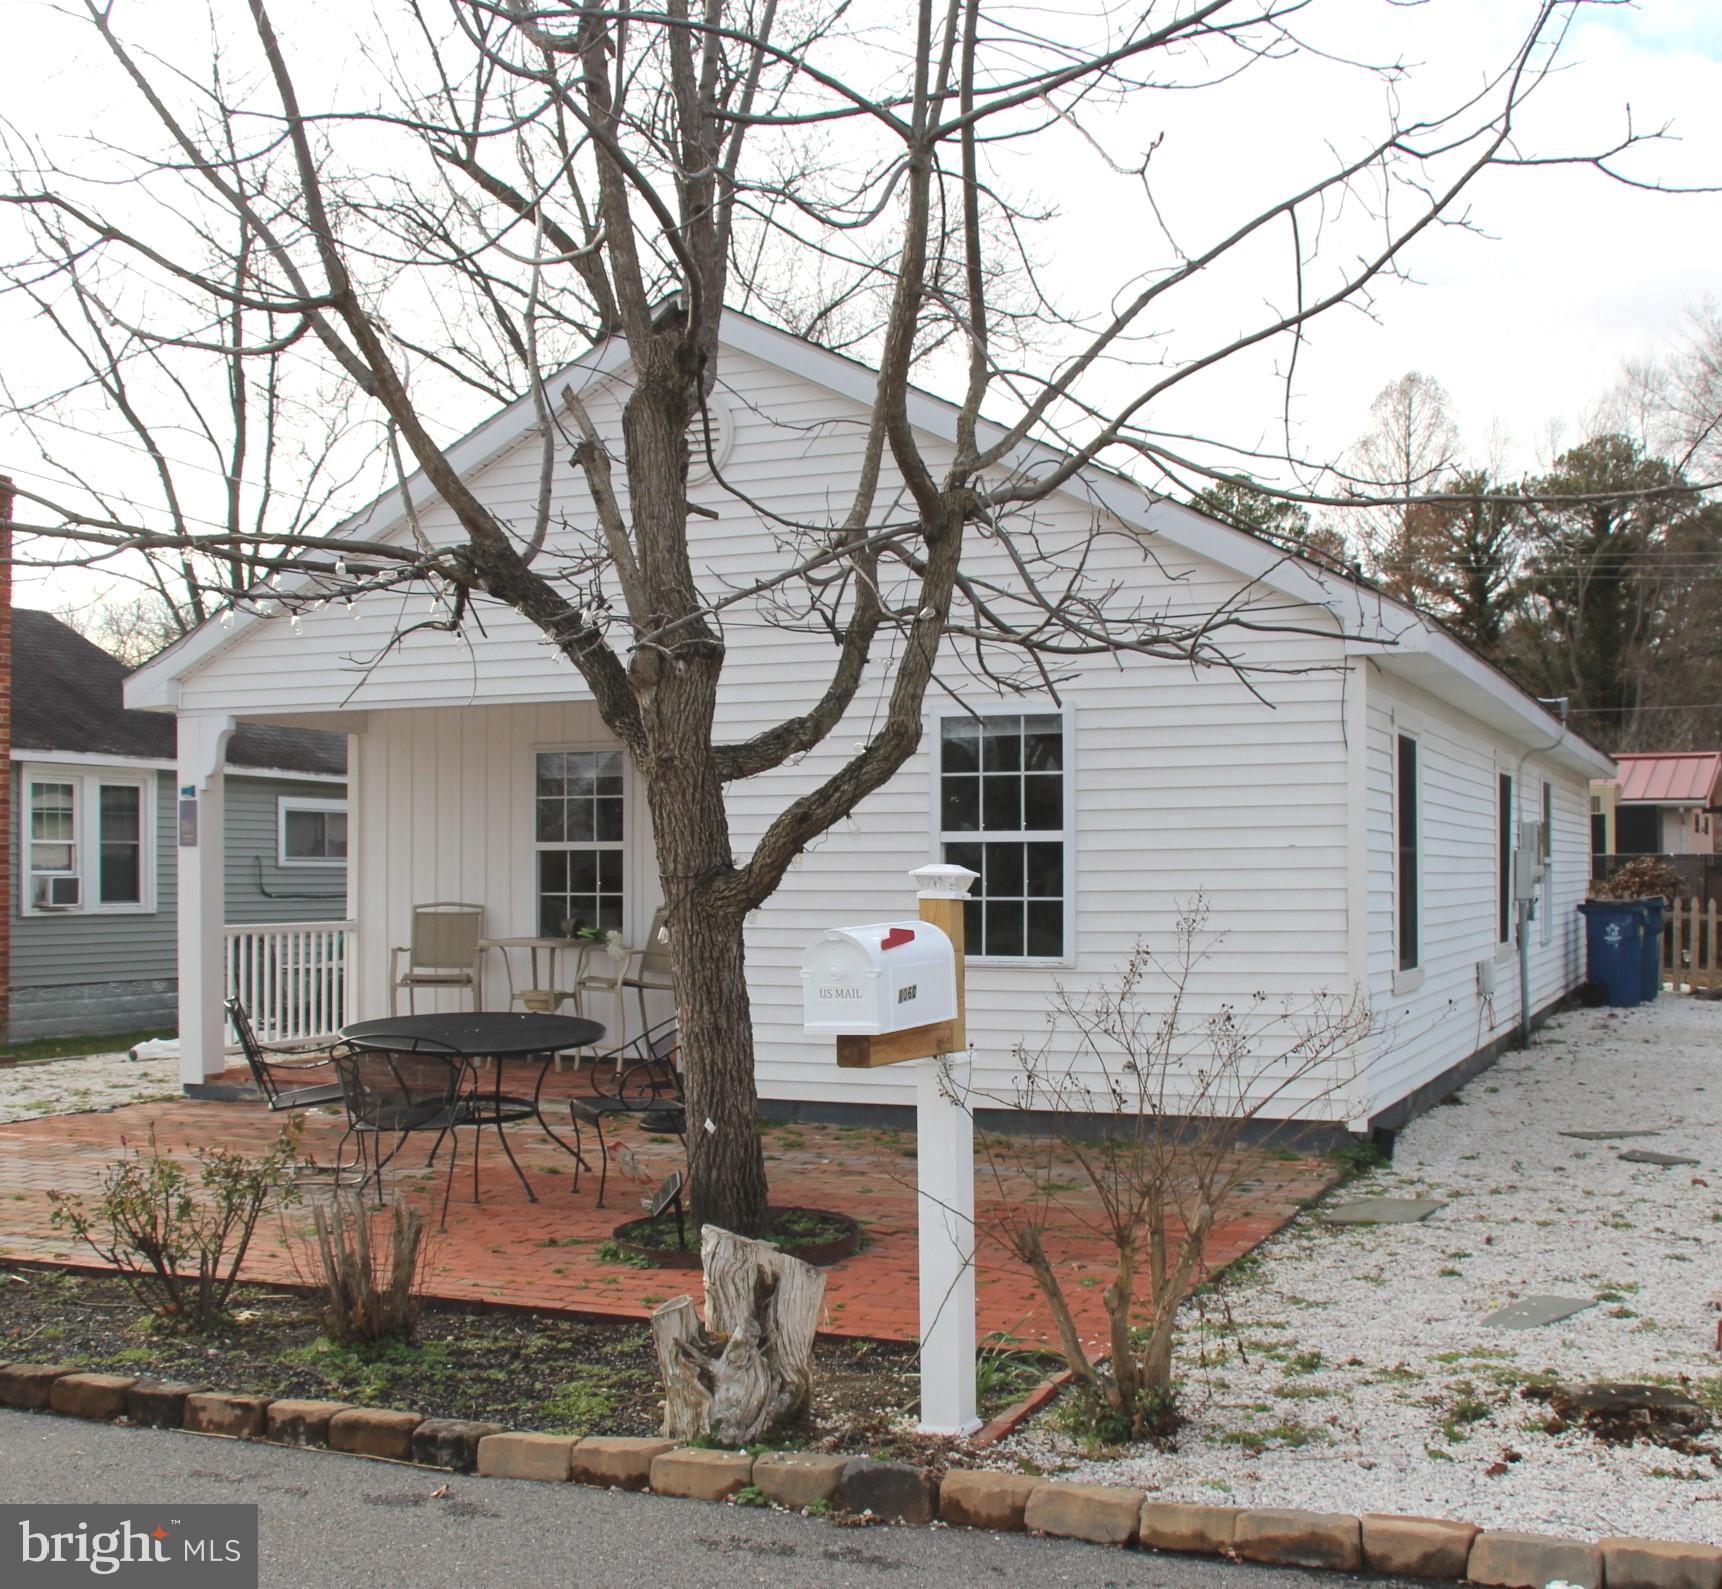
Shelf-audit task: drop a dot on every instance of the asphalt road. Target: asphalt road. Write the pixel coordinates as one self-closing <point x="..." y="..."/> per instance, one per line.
<point x="335" y="1522"/>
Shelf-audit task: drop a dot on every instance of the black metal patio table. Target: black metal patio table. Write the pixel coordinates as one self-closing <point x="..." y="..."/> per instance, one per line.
<point x="497" y="1035"/>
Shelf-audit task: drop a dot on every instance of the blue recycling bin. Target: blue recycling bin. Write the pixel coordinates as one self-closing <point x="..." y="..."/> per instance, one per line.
<point x="1614" y="949"/>
<point x="1652" y="962"/>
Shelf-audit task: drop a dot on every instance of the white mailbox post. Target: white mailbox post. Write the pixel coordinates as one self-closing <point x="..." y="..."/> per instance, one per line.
<point x="891" y="992"/>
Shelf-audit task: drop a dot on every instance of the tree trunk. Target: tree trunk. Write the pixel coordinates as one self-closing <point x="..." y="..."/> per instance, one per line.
<point x="752" y="1367"/>
<point x="726" y="1165"/>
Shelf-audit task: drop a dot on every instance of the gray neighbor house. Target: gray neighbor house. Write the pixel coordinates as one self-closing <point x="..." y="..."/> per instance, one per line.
<point x="94" y="847"/>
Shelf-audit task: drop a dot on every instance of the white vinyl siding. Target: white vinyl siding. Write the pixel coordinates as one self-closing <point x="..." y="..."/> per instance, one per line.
<point x="1433" y="1021"/>
<point x="1249" y="791"/>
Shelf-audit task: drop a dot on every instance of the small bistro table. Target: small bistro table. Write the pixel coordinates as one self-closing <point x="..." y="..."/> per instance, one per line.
<point x="490" y="1034"/>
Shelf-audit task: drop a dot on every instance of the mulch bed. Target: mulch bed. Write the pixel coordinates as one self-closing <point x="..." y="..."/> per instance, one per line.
<point x="553" y="1374"/>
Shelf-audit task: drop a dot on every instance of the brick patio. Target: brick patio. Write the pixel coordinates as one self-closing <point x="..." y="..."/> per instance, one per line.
<point x="512" y="1251"/>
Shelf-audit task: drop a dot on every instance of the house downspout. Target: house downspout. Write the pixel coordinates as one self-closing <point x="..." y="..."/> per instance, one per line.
<point x="1522" y="907"/>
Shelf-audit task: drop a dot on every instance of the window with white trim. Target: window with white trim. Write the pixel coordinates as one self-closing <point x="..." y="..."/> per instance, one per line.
<point x="1407" y="841"/>
<point x="311" y="832"/>
<point x="580" y="821"/>
<point x="1004" y="791"/>
<point x="88" y="841"/>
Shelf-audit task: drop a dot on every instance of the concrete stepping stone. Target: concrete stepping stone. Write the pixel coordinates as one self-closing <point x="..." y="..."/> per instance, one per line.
<point x="1609" y="1136"/>
<point x="1530" y="1313"/>
<point x="1382" y="1211"/>
<point x="1645" y="1156"/>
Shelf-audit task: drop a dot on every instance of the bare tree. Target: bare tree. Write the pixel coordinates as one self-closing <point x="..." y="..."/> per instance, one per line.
<point x="132" y="628"/>
<point x="496" y="182"/>
<point x="1411" y="444"/>
<point x="1183" y="1106"/>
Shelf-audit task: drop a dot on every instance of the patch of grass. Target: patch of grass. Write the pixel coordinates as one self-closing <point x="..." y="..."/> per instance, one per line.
<point x="587" y="1399"/>
<point x="750" y="1495"/>
<point x="78" y="1047"/>
<point x="612" y="1251"/>
<point x="1303" y="1363"/>
<point x="1289" y="1435"/>
<point x="1467" y="1408"/>
<point x="1448" y="1273"/>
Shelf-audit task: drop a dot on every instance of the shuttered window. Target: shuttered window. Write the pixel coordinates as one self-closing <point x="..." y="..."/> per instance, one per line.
<point x="1407" y="874"/>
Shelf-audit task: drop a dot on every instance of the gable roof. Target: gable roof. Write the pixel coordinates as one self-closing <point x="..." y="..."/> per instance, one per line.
<point x="1677" y="778"/>
<point x="1373" y="624"/>
<point x="67" y="697"/>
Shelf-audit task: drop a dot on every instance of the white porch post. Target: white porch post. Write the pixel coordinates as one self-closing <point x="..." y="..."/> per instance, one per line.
<point x="200" y="795"/>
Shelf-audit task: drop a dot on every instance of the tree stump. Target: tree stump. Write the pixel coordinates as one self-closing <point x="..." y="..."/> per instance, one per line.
<point x="751" y="1367"/>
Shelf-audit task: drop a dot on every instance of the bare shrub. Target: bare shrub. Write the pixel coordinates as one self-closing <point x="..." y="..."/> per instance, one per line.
<point x="370" y="1266"/>
<point x="1151" y="1105"/>
<point x="178" y="1235"/>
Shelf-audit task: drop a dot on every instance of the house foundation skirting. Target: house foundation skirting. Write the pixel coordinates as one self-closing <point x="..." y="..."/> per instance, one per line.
<point x="92" y="1008"/>
<point x="1396" y="1116"/>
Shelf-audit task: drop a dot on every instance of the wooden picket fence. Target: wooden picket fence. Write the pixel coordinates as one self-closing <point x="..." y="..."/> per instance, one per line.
<point x="1691" y="948"/>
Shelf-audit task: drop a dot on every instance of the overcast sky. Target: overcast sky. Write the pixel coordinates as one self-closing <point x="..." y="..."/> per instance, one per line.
<point x="1528" y="326"/>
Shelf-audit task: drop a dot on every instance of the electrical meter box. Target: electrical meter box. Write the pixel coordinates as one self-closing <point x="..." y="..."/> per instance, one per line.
<point x="887" y="976"/>
<point x="1528" y="861"/>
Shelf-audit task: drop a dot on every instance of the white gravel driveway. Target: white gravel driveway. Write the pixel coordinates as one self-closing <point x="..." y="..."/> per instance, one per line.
<point x="1369" y="1382"/>
<point x="75" y="1086"/>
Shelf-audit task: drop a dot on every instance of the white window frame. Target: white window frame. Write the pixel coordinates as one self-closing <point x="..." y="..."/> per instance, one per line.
<point x="1407" y="979"/>
<point x="1066" y="836"/>
<point x="286" y="803"/>
<point x="88" y="782"/>
<point x="631" y="883"/>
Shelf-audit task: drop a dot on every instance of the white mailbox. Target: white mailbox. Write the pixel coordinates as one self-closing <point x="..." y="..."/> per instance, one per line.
<point x="887" y="976"/>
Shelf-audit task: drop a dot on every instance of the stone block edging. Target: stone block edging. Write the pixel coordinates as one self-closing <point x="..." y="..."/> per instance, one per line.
<point x="1437" y="1549"/>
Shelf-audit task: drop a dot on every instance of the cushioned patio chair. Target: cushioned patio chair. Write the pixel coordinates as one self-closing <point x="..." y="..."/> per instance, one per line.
<point x="652" y="970"/>
<point x="272" y="1065"/>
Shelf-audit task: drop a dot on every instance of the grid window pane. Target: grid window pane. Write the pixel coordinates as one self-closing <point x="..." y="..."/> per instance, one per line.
<point x="52" y="815"/>
<point x="1004" y="776"/>
<point x="960" y="800"/>
<point x="580" y="827"/>
<point x="960" y="745"/>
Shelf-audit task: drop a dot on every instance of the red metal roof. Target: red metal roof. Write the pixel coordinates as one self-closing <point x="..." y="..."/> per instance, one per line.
<point x="1685" y="779"/>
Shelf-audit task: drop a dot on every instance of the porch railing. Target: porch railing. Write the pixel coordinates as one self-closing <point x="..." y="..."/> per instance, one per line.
<point x="292" y="977"/>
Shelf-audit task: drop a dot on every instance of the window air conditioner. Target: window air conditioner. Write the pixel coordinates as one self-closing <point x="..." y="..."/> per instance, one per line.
<point x="63" y="893"/>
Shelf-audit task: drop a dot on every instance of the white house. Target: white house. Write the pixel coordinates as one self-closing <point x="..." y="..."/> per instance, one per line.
<point x="1349" y="809"/>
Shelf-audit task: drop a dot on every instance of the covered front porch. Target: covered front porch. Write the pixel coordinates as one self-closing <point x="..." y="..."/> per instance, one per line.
<point x="530" y="811"/>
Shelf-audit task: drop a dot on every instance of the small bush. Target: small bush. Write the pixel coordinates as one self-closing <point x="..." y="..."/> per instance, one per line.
<point x="371" y="1268"/>
<point x="178" y="1235"/>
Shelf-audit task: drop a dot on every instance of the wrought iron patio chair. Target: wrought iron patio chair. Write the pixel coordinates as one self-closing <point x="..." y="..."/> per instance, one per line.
<point x="396" y="1092"/>
<point x="271" y="1064"/>
<point x="647" y="1085"/>
<point x="445" y="952"/>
